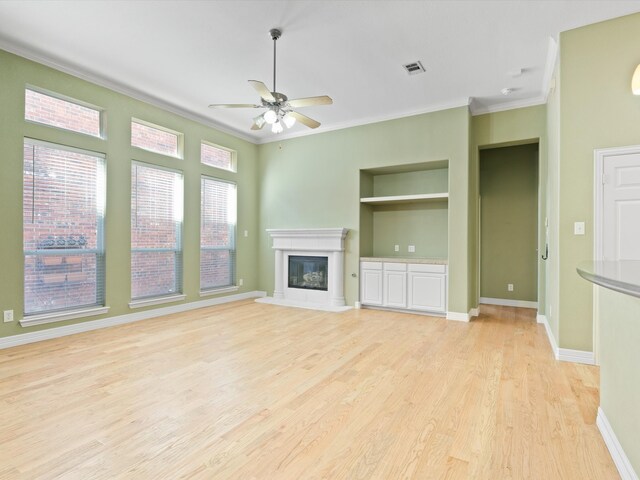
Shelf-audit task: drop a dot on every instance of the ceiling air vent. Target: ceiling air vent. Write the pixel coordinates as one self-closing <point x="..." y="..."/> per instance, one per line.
<point x="414" y="68"/>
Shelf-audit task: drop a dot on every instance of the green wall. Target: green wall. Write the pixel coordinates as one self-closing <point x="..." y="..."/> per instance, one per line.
<point x="15" y="73"/>
<point x="597" y="110"/>
<point x="423" y="225"/>
<point x="620" y="368"/>
<point x="314" y="181"/>
<point x="515" y="127"/>
<point x="509" y="222"/>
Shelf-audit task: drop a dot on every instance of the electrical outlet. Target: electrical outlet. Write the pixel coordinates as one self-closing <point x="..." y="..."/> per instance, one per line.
<point x="240" y="282"/>
<point x="578" y="228"/>
<point x="412" y="249"/>
<point x="510" y="287"/>
<point x="396" y="248"/>
<point x="246" y="233"/>
<point x="8" y="316"/>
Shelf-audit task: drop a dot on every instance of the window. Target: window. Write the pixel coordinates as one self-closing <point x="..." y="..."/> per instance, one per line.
<point x="156" y="231"/>
<point x="63" y="208"/>
<point x="60" y="112"/>
<point x="155" y="138"/>
<point x="217" y="233"/>
<point x="218" y="157"/>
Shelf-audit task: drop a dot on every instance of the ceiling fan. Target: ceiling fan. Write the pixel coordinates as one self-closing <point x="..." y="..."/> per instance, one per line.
<point x="280" y="110"/>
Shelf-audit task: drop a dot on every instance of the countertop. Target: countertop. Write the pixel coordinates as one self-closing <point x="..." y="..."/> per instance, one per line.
<point x="430" y="261"/>
<point x="622" y="276"/>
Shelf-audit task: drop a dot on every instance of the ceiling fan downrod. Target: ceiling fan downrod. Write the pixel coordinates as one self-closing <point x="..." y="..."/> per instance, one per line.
<point x="275" y="35"/>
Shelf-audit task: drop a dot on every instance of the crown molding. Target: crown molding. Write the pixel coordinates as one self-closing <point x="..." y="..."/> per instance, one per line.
<point x="369" y="120"/>
<point x="502" y="107"/>
<point x="84" y="74"/>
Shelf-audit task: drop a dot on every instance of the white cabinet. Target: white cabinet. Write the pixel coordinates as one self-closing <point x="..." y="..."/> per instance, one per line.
<point x="394" y="289"/>
<point x="427" y="288"/>
<point x="371" y="283"/>
<point x="411" y="286"/>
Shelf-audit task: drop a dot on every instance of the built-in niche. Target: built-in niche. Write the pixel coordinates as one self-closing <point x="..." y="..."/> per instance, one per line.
<point x="405" y="205"/>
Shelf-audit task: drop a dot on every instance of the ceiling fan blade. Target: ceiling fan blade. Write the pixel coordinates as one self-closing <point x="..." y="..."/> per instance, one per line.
<point x="263" y="91"/>
<point x="303" y="119"/>
<point x="234" y="105"/>
<point x="309" y="101"/>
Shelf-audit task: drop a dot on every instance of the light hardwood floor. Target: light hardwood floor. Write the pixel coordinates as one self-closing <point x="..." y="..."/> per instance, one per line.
<point x="254" y="391"/>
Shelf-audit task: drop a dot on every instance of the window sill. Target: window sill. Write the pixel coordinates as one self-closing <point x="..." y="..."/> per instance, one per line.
<point x="147" y="302"/>
<point x="40" y="319"/>
<point x="217" y="291"/>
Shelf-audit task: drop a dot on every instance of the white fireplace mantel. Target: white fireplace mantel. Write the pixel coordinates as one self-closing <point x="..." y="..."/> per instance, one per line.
<point x="320" y="242"/>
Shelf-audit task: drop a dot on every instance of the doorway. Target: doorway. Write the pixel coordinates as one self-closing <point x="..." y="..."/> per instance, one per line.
<point x="509" y="225"/>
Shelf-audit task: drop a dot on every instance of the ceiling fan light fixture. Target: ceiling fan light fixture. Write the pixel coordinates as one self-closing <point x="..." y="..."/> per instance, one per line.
<point x="277" y="127"/>
<point x="259" y="121"/>
<point x="270" y="117"/>
<point x="289" y="120"/>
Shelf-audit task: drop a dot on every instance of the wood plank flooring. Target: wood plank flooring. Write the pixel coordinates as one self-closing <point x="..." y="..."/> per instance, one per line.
<point x="255" y="391"/>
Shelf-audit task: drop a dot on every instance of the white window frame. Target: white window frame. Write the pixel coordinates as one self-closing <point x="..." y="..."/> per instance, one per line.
<point x="80" y="311"/>
<point x="233" y="235"/>
<point x="234" y="157"/>
<point x="75" y="101"/>
<point x="180" y="138"/>
<point x="178" y="295"/>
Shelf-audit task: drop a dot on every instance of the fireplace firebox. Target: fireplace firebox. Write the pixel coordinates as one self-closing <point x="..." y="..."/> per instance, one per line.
<point x="308" y="272"/>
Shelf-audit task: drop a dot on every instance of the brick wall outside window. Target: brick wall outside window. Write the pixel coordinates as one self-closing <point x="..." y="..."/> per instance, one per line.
<point x="42" y="108"/>
<point x="156" y="257"/>
<point x="216" y="157"/>
<point x="154" y="139"/>
<point x="62" y="228"/>
<point x="217" y="233"/>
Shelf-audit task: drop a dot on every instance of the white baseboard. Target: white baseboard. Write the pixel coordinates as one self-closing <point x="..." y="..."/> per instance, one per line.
<point x="575" y="356"/>
<point x="459" y="317"/>
<point x="505" y="302"/>
<point x="552" y="340"/>
<point x="565" y="354"/>
<point x="55" y="332"/>
<point x="625" y="469"/>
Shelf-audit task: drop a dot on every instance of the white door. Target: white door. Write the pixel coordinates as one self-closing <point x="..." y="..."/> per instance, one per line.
<point x="617" y="214"/>
<point x="371" y="287"/>
<point x="395" y="289"/>
<point x="621" y="207"/>
<point x="427" y="291"/>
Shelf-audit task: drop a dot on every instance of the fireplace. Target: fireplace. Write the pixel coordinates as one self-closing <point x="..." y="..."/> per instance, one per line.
<point x="309" y="268"/>
<point x="308" y="272"/>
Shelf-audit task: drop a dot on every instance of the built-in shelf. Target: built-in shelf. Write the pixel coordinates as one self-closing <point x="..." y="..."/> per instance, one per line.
<point x="423" y="197"/>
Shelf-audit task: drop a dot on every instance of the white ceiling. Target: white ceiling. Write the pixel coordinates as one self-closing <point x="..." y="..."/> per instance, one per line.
<point x="188" y="54"/>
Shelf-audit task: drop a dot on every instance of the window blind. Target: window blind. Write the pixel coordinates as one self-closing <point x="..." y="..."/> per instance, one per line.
<point x="156" y="231"/>
<point x="63" y="210"/>
<point x="217" y="233"/>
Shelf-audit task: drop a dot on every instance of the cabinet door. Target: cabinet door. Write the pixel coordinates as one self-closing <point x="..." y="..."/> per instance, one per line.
<point x="371" y="287"/>
<point x="395" y="289"/>
<point x="427" y="292"/>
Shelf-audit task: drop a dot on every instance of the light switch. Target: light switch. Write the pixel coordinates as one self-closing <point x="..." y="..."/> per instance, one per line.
<point x="578" y="228"/>
<point x="246" y="233"/>
<point x="396" y="248"/>
<point x="412" y="249"/>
